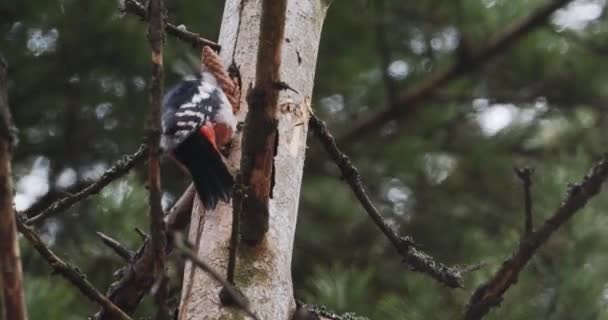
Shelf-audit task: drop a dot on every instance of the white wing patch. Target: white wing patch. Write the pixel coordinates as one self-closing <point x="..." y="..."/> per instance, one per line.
<point x="187" y="112"/>
<point x="204" y="91"/>
<point x="190" y="124"/>
<point x="192" y="112"/>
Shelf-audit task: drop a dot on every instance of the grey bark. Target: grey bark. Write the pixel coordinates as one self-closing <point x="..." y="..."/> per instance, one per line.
<point x="263" y="272"/>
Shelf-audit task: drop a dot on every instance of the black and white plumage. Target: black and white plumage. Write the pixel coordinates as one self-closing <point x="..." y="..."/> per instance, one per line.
<point x="197" y="117"/>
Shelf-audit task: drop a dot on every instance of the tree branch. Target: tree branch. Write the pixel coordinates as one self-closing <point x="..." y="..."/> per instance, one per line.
<point x="261" y="123"/>
<point x="180" y="32"/>
<point x="138" y="275"/>
<point x="464" y="65"/>
<point x="319" y="312"/>
<point x="70" y="273"/>
<point x="119" y="169"/>
<point x="120" y="249"/>
<point x="490" y="293"/>
<point x="158" y="240"/>
<point x="415" y="258"/>
<point x="11" y="274"/>
<point x="178" y="217"/>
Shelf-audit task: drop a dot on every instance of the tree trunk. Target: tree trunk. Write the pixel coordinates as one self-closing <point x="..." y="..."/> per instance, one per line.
<point x="11" y="277"/>
<point x="263" y="271"/>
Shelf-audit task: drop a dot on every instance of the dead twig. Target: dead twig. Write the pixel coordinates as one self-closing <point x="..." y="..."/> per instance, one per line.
<point x="137" y="277"/>
<point x="180" y="32"/>
<point x="490" y="293"/>
<point x="70" y="273"/>
<point x="119" y="169"/>
<point x="120" y="249"/>
<point x="416" y="259"/>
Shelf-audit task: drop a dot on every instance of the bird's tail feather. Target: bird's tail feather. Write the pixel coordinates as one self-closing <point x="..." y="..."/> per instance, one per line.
<point x="211" y="177"/>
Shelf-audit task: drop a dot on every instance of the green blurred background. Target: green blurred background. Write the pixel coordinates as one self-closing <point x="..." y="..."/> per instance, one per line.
<point x="443" y="174"/>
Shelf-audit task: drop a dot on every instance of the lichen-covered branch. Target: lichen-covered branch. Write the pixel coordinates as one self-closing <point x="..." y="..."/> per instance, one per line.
<point x="319" y="312"/>
<point x="490" y="293"/>
<point x="415" y="258"/>
<point x="119" y="169"/>
<point x="70" y="273"/>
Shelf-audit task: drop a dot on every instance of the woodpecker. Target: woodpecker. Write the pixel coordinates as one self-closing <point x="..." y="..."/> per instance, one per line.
<point x="197" y="120"/>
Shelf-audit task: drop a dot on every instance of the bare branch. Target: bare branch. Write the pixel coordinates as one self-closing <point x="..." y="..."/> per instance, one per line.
<point x="70" y="273"/>
<point x="119" y="169"/>
<point x="466" y="64"/>
<point x="415" y="258"/>
<point x="11" y="274"/>
<point x="179" y="216"/>
<point x="120" y="249"/>
<point x="158" y="239"/>
<point x="490" y="293"/>
<point x="261" y="124"/>
<point x="138" y="275"/>
<point x="180" y="32"/>
<point x="318" y="312"/>
<point x="235" y="295"/>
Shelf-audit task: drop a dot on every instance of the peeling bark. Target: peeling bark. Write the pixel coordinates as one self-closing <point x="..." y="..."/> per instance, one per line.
<point x="260" y="135"/>
<point x="263" y="272"/>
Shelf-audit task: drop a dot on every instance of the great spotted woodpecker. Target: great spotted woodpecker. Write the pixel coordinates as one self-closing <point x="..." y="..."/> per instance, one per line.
<point x="197" y="118"/>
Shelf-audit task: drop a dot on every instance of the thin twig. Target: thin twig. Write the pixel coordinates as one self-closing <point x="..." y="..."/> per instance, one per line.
<point x="144" y="236"/>
<point x="525" y="175"/>
<point x="490" y="293"/>
<point x="120" y="249"/>
<point x="158" y="240"/>
<point x="320" y="312"/>
<point x="180" y="32"/>
<point x="415" y="258"/>
<point x="496" y="44"/>
<point x="70" y="273"/>
<point x="119" y="169"/>
<point x="236" y="296"/>
<point x="179" y="216"/>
